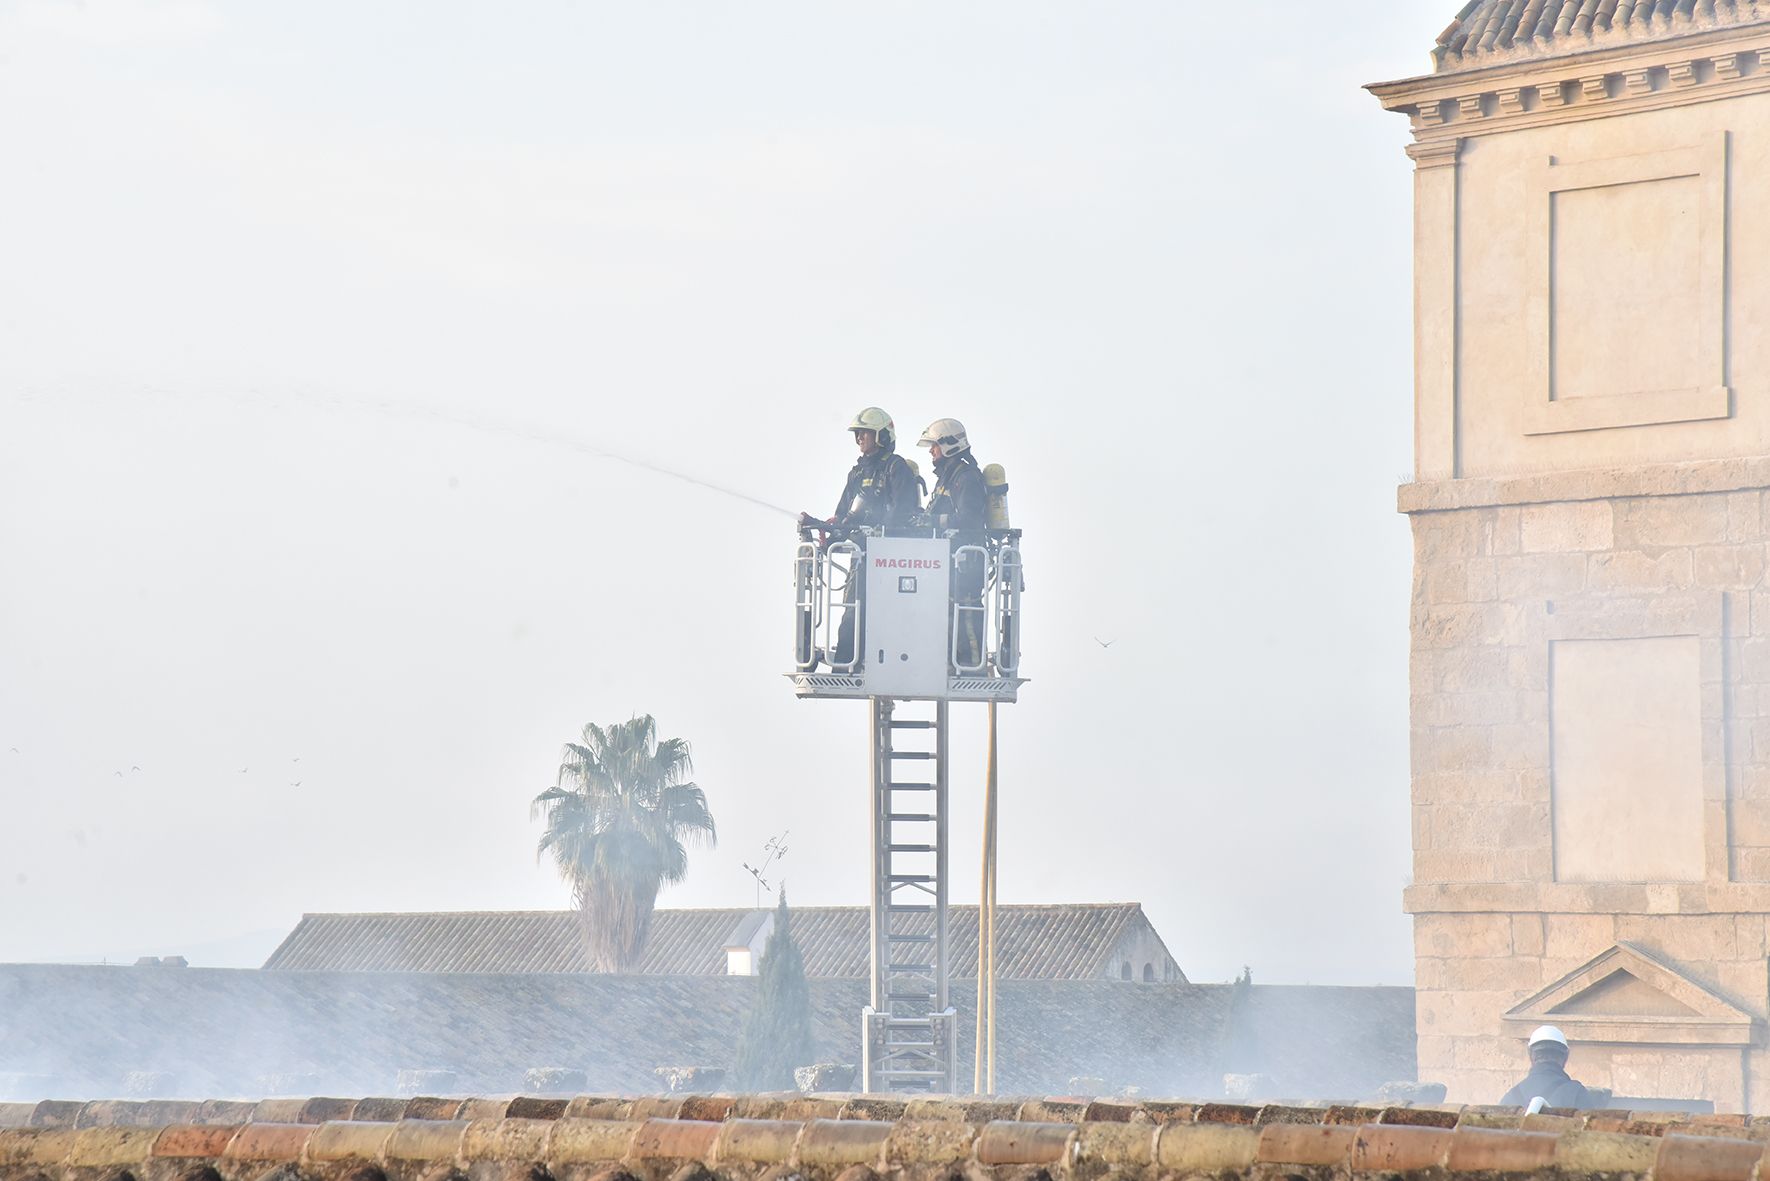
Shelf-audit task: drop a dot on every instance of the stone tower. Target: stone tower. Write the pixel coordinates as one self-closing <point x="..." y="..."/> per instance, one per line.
<point x="1591" y="511"/>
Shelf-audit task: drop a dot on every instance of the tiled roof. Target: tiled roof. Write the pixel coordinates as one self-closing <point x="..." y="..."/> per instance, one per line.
<point x="724" y="1106"/>
<point x="81" y="1029"/>
<point x="747" y="1138"/>
<point x="1487" y="32"/>
<point x="1067" y="942"/>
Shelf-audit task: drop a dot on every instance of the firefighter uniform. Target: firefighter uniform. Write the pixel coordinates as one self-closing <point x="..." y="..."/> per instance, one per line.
<point x="960" y="504"/>
<point x="881" y="492"/>
<point x="960" y="499"/>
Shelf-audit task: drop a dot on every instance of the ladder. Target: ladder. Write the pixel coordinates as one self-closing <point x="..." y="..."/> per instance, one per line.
<point x="908" y="1038"/>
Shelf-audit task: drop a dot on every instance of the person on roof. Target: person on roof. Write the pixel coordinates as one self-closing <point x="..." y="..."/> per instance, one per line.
<point x="959" y="508"/>
<point x="1548" y="1079"/>
<point x="882" y="492"/>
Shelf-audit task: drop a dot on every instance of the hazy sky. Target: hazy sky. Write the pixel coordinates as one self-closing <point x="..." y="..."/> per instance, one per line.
<point x="290" y="291"/>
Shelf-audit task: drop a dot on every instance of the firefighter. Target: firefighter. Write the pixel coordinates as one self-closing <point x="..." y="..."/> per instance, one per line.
<point x="1548" y="1079"/>
<point x="959" y="507"/>
<point x="881" y="488"/>
<point x="881" y="493"/>
<point x="960" y="500"/>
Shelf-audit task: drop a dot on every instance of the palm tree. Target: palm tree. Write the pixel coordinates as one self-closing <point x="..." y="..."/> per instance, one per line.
<point x="617" y="820"/>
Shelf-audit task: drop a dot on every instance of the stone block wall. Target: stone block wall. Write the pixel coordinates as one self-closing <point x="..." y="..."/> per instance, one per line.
<point x="1502" y="906"/>
<point x="1463" y="994"/>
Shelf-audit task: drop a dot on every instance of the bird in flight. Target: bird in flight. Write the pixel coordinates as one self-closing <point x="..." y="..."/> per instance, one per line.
<point x="296" y="783"/>
<point x="1106" y="643"/>
<point x="15" y="750"/>
<point x="118" y="774"/>
<point x="243" y="770"/>
<point x="135" y="768"/>
<point x="296" y="759"/>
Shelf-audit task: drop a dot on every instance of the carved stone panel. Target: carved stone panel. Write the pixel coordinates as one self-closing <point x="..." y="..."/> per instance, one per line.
<point x="1625" y="299"/>
<point x="1627" y="760"/>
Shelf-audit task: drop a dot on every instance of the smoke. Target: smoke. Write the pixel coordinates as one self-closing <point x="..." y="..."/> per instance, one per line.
<point x="91" y="1032"/>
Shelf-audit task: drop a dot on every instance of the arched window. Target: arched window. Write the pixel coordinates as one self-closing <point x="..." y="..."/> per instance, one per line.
<point x="1125" y="970"/>
<point x="1149" y="973"/>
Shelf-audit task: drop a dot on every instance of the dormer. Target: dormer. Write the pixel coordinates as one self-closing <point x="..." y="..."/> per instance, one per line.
<point x="745" y="944"/>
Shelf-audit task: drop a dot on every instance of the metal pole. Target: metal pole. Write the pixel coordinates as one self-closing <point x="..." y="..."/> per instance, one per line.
<point x="980" y="1041"/>
<point x="940" y="864"/>
<point x="880" y="709"/>
<point x="989" y="795"/>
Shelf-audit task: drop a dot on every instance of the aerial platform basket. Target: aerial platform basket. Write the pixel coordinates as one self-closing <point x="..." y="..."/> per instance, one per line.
<point x="936" y="616"/>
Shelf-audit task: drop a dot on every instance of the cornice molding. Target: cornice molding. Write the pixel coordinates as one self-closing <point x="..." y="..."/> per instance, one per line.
<point x="1659" y="479"/>
<point x="1434" y="153"/>
<point x="1578" y="87"/>
<point x="1709" y="42"/>
<point x="1645" y="898"/>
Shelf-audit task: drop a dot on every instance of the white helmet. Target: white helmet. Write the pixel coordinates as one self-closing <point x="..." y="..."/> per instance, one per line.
<point x="1547" y="1033"/>
<point x="876" y="420"/>
<point x="949" y="433"/>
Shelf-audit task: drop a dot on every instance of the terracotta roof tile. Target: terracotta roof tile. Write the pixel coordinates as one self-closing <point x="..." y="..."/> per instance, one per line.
<point x="379" y="1108"/>
<point x="1488" y="32"/>
<point x="914" y="1141"/>
<point x="824" y="1150"/>
<point x="505" y="1139"/>
<point x="1207" y="1148"/>
<point x="223" y="1111"/>
<point x="269" y="1142"/>
<point x="1005" y="1142"/>
<point x="843" y="1142"/>
<point x="56" y="1113"/>
<point x="1605" y="1152"/>
<point x="757" y="1141"/>
<point x="1398" y="1148"/>
<point x="1419" y="1117"/>
<point x="194" y="1140"/>
<point x="425" y="1140"/>
<point x="1488" y="1150"/>
<point x="1299" y="1144"/>
<point x="1113" y="1145"/>
<point x="575" y="1140"/>
<point x="1706" y="1158"/>
<point x="348" y="1140"/>
<point x="111" y="1148"/>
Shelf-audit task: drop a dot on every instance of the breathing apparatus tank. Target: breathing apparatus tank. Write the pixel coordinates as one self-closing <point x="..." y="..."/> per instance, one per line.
<point x="921" y="484"/>
<point x="995" y="486"/>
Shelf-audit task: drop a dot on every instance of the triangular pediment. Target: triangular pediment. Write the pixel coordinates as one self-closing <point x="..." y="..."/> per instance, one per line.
<point x="1622" y="994"/>
<point x="1628" y="994"/>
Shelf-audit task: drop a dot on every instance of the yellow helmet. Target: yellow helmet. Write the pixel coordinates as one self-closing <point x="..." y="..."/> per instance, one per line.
<point x="876" y="420"/>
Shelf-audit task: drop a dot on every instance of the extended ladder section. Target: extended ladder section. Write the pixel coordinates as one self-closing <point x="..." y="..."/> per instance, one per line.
<point x="908" y="1034"/>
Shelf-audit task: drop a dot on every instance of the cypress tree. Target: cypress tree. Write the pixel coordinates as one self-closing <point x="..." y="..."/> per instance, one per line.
<point x="777" y="1036"/>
